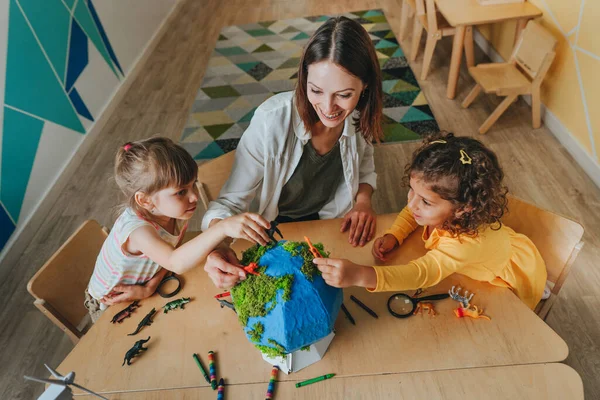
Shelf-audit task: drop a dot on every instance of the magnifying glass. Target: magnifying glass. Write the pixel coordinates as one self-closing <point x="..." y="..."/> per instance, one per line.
<point x="401" y="305"/>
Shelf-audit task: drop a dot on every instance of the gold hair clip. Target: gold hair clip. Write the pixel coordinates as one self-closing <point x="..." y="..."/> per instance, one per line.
<point x="464" y="157"/>
<point x="438" y="141"/>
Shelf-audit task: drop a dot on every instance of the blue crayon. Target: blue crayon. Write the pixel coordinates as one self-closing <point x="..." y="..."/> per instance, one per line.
<point x="221" y="390"/>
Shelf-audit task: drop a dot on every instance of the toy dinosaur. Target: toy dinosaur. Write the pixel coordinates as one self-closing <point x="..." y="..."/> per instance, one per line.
<point x="312" y="248"/>
<point x="135" y="351"/>
<point x="125" y="313"/>
<point x="250" y="268"/>
<point x="425" y="307"/>
<point x="473" y="311"/>
<point x="271" y="231"/>
<point x="147" y="320"/>
<point x="225" y="303"/>
<point x="179" y="303"/>
<point x="464" y="300"/>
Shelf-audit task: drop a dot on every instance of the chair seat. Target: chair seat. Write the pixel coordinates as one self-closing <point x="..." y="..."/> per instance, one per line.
<point x="443" y="25"/>
<point x="501" y="78"/>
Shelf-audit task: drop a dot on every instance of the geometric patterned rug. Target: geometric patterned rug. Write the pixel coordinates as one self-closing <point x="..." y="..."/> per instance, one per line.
<point x="253" y="62"/>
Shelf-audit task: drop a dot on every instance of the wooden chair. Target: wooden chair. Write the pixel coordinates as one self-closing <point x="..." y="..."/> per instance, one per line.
<point x="59" y="286"/>
<point x="408" y="11"/>
<point x="428" y="18"/>
<point x="523" y="74"/>
<point x="212" y="175"/>
<point x="557" y="238"/>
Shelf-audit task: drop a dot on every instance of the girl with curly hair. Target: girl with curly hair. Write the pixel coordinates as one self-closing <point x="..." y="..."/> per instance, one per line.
<point x="457" y="195"/>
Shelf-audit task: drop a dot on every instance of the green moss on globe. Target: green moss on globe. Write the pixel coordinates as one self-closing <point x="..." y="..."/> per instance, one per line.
<point x="252" y="295"/>
<point x="270" y="351"/>
<point x="257" y="332"/>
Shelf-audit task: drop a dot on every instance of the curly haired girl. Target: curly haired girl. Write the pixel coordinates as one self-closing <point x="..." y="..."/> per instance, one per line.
<point x="456" y="193"/>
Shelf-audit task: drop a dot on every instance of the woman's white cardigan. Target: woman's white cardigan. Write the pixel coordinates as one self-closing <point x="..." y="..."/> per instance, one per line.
<point x="268" y="154"/>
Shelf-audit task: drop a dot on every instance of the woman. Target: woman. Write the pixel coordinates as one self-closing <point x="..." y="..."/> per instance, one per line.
<point x="302" y="157"/>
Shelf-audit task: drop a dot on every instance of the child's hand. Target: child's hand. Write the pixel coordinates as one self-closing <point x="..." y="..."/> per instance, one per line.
<point x="126" y="293"/>
<point x="247" y="226"/>
<point x="384" y="245"/>
<point x="344" y="273"/>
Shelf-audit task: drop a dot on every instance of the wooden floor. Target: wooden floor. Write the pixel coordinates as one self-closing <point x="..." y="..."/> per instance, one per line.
<point x="538" y="169"/>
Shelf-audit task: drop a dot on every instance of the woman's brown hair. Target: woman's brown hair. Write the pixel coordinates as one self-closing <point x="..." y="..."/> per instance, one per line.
<point x="151" y="165"/>
<point x="344" y="42"/>
<point x="465" y="172"/>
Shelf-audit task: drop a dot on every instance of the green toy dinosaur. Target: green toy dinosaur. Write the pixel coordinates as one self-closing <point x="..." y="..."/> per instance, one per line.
<point x="179" y="303"/>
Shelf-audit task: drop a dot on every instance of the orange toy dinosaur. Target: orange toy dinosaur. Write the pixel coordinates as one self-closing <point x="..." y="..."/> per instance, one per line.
<point x="473" y="311"/>
<point x="425" y="307"/>
<point x="312" y="248"/>
<point x="250" y="268"/>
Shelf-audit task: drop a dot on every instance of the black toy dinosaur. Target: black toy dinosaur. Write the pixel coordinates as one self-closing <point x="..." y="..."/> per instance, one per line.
<point x="125" y="313"/>
<point x="135" y="351"/>
<point x="271" y="231"/>
<point x="147" y="320"/>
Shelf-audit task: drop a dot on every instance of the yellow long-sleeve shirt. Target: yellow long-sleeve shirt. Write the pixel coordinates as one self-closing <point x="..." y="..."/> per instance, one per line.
<point x="501" y="257"/>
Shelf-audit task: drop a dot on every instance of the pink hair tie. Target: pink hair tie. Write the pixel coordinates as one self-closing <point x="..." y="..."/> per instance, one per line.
<point x="127" y="147"/>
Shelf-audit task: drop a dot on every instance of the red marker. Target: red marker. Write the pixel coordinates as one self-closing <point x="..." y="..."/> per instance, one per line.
<point x="220" y="295"/>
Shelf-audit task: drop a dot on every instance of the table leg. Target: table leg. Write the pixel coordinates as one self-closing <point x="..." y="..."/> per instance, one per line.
<point x="469" y="50"/>
<point x="457" y="48"/>
<point x="521" y="23"/>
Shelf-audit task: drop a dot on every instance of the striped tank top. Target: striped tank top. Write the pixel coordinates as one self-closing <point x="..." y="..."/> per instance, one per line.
<point x="115" y="266"/>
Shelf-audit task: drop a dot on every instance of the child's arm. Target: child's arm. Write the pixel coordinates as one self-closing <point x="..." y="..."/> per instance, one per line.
<point x="403" y="226"/>
<point x="123" y="293"/>
<point x="245" y="226"/>
<point x="423" y="272"/>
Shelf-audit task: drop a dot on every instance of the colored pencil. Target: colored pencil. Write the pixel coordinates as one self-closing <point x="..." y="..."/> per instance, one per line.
<point x="271" y="387"/>
<point x="363" y="306"/>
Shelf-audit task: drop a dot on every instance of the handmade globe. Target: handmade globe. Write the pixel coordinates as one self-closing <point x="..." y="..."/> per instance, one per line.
<point x="287" y="306"/>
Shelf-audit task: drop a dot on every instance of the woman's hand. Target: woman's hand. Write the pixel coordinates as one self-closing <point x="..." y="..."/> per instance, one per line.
<point x="247" y="226"/>
<point x="223" y="267"/>
<point x="383" y="245"/>
<point x="361" y="221"/>
<point x="344" y="273"/>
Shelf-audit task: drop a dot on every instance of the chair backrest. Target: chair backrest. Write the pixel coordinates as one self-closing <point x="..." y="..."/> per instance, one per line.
<point x="213" y="174"/>
<point x="557" y="238"/>
<point x="534" y="50"/>
<point x="59" y="285"/>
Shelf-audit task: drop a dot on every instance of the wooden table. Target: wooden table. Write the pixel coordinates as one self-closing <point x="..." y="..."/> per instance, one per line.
<point x="464" y="14"/>
<point x="540" y="381"/>
<point x="515" y="335"/>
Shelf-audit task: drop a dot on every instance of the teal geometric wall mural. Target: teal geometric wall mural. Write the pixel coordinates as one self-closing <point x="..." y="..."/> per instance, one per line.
<point x="20" y="143"/>
<point x="47" y="52"/>
<point x="32" y="84"/>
